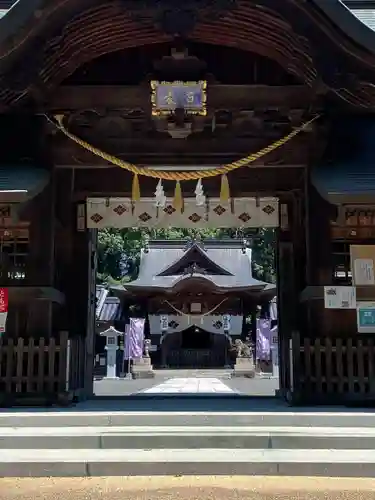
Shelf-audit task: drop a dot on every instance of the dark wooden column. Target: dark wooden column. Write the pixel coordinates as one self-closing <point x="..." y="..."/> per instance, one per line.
<point x="75" y="276"/>
<point x="291" y="261"/>
<point x="40" y="269"/>
<point x="319" y="240"/>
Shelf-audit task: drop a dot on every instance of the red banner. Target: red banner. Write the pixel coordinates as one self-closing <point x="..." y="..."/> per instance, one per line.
<point x="3" y="308"/>
<point x="3" y="300"/>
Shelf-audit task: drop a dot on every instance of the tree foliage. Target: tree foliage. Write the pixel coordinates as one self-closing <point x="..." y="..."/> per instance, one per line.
<point x="119" y="250"/>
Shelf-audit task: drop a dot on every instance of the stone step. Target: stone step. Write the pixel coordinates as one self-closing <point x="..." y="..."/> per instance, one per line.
<point x="112" y="438"/>
<point x="83" y="462"/>
<point x="70" y="418"/>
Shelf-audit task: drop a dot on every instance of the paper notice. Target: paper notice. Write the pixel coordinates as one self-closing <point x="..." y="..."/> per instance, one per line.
<point x="364" y="272"/>
<point x="340" y="297"/>
<point x="366" y="317"/>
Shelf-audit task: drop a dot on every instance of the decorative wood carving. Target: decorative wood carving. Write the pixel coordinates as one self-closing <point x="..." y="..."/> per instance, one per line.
<point x="194" y="152"/>
<point x="225" y="97"/>
<point x="177" y="18"/>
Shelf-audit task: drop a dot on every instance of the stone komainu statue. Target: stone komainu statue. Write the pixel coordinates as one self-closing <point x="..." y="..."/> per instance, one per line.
<point x="243" y="350"/>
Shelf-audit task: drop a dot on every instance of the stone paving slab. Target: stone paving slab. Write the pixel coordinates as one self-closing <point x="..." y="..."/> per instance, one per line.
<point x="189" y="385"/>
<point x="187" y="438"/>
<point x="80" y="463"/>
<point x="128" y="387"/>
<point x="100" y="415"/>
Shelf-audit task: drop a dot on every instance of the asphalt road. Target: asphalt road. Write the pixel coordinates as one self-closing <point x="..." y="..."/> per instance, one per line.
<point x="187" y="488"/>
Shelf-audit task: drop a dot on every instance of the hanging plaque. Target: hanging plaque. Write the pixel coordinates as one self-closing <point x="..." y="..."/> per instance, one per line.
<point x="366" y="317"/>
<point x="168" y="96"/>
<point x="340" y="297"/>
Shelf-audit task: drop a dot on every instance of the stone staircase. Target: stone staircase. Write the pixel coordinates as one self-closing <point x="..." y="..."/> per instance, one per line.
<point x="85" y="443"/>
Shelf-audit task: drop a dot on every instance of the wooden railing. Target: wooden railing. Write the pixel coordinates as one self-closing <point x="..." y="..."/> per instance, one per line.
<point x="29" y="365"/>
<point x="333" y="369"/>
<point x="51" y="368"/>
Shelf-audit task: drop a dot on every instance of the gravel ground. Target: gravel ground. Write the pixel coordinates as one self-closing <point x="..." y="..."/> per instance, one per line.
<point x="187" y="488"/>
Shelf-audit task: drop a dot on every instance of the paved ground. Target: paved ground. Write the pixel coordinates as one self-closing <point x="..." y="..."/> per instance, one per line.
<point x="197" y="385"/>
<point x="259" y="386"/>
<point x="187" y="488"/>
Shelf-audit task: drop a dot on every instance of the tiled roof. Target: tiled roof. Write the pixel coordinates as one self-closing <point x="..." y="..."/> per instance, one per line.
<point x="229" y="255"/>
<point x="366" y="16"/>
<point x="110" y="310"/>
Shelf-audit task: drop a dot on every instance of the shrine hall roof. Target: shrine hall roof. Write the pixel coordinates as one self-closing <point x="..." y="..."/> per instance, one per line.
<point x="364" y="10"/>
<point x="224" y="264"/>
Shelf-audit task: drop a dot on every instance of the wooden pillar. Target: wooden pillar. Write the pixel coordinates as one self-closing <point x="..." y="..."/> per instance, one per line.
<point x="319" y="240"/>
<point x="82" y="299"/>
<point x="291" y="262"/>
<point x="76" y="272"/>
<point x="40" y="270"/>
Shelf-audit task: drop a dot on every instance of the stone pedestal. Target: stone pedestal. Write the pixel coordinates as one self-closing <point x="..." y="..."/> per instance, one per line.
<point x="244" y="367"/>
<point x="142" y="368"/>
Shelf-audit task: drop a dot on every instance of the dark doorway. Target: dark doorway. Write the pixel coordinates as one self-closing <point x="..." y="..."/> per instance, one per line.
<point x="195" y="338"/>
<point x="197" y="348"/>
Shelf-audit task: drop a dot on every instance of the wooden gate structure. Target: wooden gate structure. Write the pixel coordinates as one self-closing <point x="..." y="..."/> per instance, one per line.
<point x="81" y="104"/>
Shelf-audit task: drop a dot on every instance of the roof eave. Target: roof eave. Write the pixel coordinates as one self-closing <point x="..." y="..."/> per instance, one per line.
<point x="348" y="23"/>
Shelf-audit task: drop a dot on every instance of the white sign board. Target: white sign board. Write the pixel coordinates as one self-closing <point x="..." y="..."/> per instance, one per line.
<point x="364" y="272"/>
<point x="366" y="317"/>
<point x="163" y="323"/>
<point x="340" y="297"/>
<point x="226" y="322"/>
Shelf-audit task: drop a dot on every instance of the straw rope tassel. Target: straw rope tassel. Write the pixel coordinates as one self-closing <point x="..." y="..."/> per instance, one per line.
<point x="178" y="202"/>
<point x="136" y="190"/>
<point x="224" y="189"/>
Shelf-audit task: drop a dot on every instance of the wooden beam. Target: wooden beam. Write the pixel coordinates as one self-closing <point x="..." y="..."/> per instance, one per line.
<point x="174" y="152"/>
<point x="231" y="97"/>
<point x="244" y="181"/>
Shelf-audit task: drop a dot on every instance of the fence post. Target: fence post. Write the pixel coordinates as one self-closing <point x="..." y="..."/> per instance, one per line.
<point x="67" y="369"/>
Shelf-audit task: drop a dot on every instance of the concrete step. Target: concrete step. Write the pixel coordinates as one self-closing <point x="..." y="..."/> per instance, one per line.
<point x="83" y="462"/>
<point x="70" y="418"/>
<point x="112" y="438"/>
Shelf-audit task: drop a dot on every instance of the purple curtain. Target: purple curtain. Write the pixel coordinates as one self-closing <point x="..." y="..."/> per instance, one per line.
<point x="263" y="340"/>
<point x="134" y="338"/>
